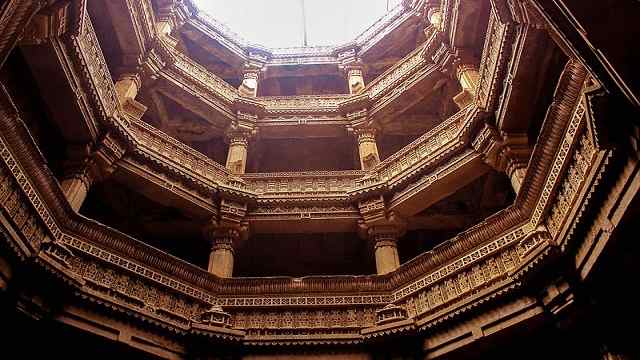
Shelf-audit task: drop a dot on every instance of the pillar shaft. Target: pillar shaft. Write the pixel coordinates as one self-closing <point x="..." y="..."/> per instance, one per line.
<point x="249" y="85"/>
<point x="468" y="76"/>
<point x="127" y="86"/>
<point x="387" y="259"/>
<point x="237" y="155"/>
<point x="355" y="79"/>
<point x="384" y="239"/>
<point x="367" y="148"/>
<point x="221" y="257"/>
<point x="75" y="188"/>
<point x="516" y="176"/>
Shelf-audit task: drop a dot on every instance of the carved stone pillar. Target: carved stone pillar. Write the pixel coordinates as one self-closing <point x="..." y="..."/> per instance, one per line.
<point x="469" y="77"/>
<point x="78" y="175"/>
<point x="383" y="229"/>
<point x="127" y="86"/>
<point x="384" y="239"/>
<point x="225" y="231"/>
<point x="85" y="165"/>
<point x="355" y="79"/>
<point x="435" y="18"/>
<point x="513" y="158"/>
<point x="249" y="85"/>
<point x="516" y="173"/>
<point x="75" y="187"/>
<point x="237" y="155"/>
<point x="367" y="148"/>
<point x="221" y="257"/>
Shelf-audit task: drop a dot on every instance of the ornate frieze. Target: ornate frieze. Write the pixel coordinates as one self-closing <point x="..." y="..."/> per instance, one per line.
<point x="122" y="273"/>
<point x="493" y="57"/>
<point x="396" y="74"/>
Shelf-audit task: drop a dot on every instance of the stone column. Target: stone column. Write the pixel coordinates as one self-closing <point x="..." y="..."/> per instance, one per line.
<point x="367" y="148"/>
<point x="76" y="186"/>
<point x="127" y="86"/>
<point x="516" y="175"/>
<point x="249" y="85"/>
<point x="468" y="76"/>
<point x="237" y="154"/>
<point x="222" y="253"/>
<point x="225" y="231"/>
<point x="435" y="18"/>
<point x="355" y="79"/>
<point x="512" y="158"/>
<point x="78" y="176"/>
<point x="384" y="239"/>
<point x="87" y="164"/>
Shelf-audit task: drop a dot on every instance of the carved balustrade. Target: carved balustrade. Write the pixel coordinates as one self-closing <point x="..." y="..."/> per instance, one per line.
<point x="484" y="261"/>
<point x="295" y="184"/>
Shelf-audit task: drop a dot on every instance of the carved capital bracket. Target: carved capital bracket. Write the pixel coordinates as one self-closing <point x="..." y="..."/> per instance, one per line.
<point x="365" y="135"/>
<point x="353" y="69"/>
<point x="228" y="223"/>
<point x="251" y="73"/>
<point x="90" y="163"/>
<point x="466" y="71"/>
<point x="127" y="88"/>
<point x="435" y="20"/>
<point x="171" y="15"/>
<point x="382" y="228"/>
<point x="376" y="218"/>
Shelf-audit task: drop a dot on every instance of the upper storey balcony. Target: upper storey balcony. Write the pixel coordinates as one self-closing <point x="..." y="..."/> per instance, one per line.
<point x="386" y="138"/>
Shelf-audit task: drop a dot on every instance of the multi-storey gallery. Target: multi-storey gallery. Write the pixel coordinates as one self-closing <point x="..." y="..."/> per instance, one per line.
<point x="458" y="181"/>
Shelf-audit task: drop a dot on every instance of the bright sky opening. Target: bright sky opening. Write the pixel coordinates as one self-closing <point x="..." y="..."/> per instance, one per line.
<point x="279" y="23"/>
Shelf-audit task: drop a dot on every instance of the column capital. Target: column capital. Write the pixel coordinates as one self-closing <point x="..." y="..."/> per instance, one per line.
<point x="251" y="73"/>
<point x="385" y="235"/>
<point x="367" y="134"/>
<point x="353" y="69"/>
<point x="434" y="15"/>
<point x="378" y="220"/>
<point x="468" y="76"/>
<point x="226" y="229"/>
<point x="242" y="131"/>
<point x="93" y="161"/>
<point x="78" y="163"/>
<point x="510" y="151"/>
